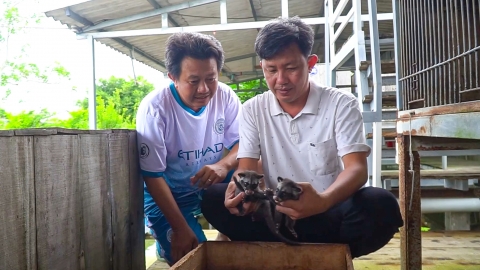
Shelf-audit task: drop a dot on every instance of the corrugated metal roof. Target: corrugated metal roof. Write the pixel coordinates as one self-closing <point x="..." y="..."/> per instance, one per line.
<point x="236" y="43"/>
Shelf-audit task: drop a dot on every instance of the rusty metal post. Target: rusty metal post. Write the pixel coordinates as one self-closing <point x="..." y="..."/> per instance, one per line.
<point x="409" y="197"/>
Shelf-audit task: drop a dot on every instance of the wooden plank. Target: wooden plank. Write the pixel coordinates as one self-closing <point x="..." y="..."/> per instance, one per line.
<point x="17" y="204"/>
<point x="263" y="255"/>
<point x="6" y="133"/>
<point x="57" y="202"/>
<point x="119" y="176"/>
<point x="49" y="131"/>
<point x="464" y="107"/>
<point x="96" y="249"/>
<point x="409" y="200"/>
<point x="35" y="131"/>
<point x="99" y="131"/>
<point x="137" y="225"/>
<point x="449" y="173"/>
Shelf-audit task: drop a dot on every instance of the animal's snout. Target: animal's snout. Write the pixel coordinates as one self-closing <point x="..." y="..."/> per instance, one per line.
<point x="248" y="192"/>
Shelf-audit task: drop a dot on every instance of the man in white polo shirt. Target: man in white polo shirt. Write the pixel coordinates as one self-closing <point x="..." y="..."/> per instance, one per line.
<point x="313" y="135"/>
<point x="183" y="129"/>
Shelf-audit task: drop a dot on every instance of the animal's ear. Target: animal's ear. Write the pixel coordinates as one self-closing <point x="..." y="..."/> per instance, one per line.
<point x="242" y="175"/>
<point x="260" y="176"/>
<point x="280" y="179"/>
<point x="299" y="190"/>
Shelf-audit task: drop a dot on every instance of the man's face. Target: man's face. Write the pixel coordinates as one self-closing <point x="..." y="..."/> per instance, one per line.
<point x="287" y="74"/>
<point x="197" y="83"/>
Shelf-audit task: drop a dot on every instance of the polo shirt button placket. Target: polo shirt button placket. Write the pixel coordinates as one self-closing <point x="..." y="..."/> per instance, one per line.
<point x="293" y="132"/>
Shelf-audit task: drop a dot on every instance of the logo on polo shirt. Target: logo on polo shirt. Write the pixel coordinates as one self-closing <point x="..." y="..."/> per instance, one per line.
<point x="144" y="151"/>
<point x="219" y="126"/>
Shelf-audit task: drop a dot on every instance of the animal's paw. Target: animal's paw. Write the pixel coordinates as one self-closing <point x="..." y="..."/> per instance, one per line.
<point x="269" y="192"/>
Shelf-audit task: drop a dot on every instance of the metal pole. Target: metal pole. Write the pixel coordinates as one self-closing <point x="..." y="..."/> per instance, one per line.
<point x="328" y="80"/>
<point x="92" y="103"/>
<point x="396" y="37"/>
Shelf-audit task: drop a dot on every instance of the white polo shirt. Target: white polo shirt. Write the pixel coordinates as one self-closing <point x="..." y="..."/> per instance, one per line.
<point x="308" y="147"/>
<point x="175" y="142"/>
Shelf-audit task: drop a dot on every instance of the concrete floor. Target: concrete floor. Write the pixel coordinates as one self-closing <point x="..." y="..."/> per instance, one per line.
<point x="441" y="250"/>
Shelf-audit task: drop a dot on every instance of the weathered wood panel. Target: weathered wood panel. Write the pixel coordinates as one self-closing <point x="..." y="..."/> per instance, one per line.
<point x="137" y="227"/>
<point x="70" y="200"/>
<point x="58" y="208"/>
<point x="17" y="202"/>
<point x="96" y="243"/>
<point x="120" y="191"/>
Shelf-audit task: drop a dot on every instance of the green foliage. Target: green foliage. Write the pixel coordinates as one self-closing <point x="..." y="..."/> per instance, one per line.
<point x="117" y="102"/>
<point x="107" y="117"/>
<point x="125" y="94"/>
<point x="24" y="119"/>
<point x="15" y="68"/>
<point x="249" y="89"/>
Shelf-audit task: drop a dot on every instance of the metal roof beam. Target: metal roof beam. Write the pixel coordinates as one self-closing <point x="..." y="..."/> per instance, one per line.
<point x="122" y="42"/>
<point x="148" y="14"/>
<point x="240" y="57"/>
<point x="214" y="27"/>
<point x="156" y="5"/>
<point x="54" y="5"/>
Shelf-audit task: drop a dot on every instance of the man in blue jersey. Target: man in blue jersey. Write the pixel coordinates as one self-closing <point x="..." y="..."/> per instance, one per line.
<point x="183" y="129"/>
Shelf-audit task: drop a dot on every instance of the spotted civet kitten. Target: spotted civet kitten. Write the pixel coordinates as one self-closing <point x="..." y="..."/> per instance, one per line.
<point x="262" y="200"/>
<point x="250" y="184"/>
<point x="287" y="189"/>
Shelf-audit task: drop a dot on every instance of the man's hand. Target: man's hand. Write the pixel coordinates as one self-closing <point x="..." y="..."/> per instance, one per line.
<point x="310" y="203"/>
<point x="209" y="175"/>
<point x="231" y="201"/>
<point x="183" y="241"/>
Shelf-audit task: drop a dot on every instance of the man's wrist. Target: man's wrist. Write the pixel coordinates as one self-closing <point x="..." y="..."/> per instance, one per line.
<point x="180" y="226"/>
<point x="324" y="202"/>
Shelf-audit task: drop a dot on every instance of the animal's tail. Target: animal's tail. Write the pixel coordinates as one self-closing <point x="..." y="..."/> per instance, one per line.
<point x="271" y="226"/>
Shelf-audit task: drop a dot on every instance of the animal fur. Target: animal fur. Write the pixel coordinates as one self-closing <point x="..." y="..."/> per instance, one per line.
<point x="262" y="200"/>
<point x="287" y="189"/>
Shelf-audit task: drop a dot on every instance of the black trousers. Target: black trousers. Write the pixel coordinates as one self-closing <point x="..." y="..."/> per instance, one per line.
<point x="366" y="221"/>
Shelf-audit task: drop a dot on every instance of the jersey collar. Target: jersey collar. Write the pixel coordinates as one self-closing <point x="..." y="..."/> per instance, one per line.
<point x="180" y="102"/>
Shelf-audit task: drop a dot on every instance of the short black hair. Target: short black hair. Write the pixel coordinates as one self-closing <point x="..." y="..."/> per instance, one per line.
<point x="195" y="45"/>
<point x="280" y="33"/>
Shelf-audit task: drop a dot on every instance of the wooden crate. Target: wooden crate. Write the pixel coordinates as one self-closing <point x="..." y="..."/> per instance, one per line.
<point x="70" y="199"/>
<point x="217" y="255"/>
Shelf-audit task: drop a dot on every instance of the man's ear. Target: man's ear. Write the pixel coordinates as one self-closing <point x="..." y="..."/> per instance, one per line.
<point x="312" y="60"/>
<point x="171" y="77"/>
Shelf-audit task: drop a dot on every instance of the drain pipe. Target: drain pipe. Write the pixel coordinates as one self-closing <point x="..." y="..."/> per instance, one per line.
<point x="440" y="205"/>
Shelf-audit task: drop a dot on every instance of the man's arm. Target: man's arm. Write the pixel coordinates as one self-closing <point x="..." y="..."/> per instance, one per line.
<point x="351" y="179"/>
<point x="230" y="160"/>
<point x="352" y="147"/>
<point x="163" y="197"/>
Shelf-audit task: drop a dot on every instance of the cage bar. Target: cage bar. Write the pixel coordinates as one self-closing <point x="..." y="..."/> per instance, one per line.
<point x="440" y="62"/>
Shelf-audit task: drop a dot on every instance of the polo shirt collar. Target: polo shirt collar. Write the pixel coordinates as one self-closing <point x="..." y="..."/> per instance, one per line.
<point x="311" y="107"/>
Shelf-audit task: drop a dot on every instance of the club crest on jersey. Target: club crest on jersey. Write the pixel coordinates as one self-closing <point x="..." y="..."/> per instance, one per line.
<point x="219" y="126"/>
<point x="169" y="235"/>
<point x="144" y="151"/>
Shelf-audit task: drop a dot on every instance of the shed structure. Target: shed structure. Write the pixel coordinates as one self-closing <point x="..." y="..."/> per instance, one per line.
<point x="378" y="41"/>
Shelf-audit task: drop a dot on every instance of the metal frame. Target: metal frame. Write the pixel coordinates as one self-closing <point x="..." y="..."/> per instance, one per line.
<point x="211" y="27"/>
<point x="437" y="128"/>
<point x="91" y="31"/>
<point x="355" y="46"/>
